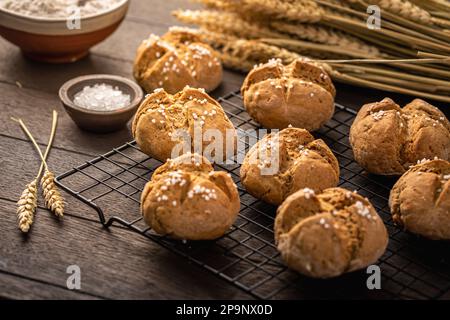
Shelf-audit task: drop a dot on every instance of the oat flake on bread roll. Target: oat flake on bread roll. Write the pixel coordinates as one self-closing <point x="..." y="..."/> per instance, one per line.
<point x="162" y="116"/>
<point x="420" y="200"/>
<point x="300" y="94"/>
<point x="175" y="60"/>
<point x="187" y="199"/>
<point x="387" y="139"/>
<point x="302" y="162"/>
<point x="327" y="234"/>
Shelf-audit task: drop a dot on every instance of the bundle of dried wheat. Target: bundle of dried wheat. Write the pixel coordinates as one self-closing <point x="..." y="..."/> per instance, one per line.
<point x="337" y="32"/>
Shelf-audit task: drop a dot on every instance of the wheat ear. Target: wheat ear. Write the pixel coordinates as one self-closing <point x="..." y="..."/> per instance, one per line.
<point x="299" y="10"/>
<point x="53" y="198"/>
<point x="225" y="22"/>
<point x="407" y="10"/>
<point x="326" y="35"/>
<point x="26" y="206"/>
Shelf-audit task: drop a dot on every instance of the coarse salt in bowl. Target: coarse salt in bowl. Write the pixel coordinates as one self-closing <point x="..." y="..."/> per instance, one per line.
<point x="101" y="97"/>
<point x="99" y="102"/>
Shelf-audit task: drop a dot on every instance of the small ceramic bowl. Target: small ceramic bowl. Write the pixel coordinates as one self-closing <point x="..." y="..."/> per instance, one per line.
<point x="100" y="121"/>
<point x="55" y="40"/>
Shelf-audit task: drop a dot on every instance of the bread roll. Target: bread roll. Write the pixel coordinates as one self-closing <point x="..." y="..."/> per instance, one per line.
<point x="300" y="94"/>
<point x="165" y="123"/>
<point x="420" y="200"/>
<point x="187" y="199"/>
<point x="175" y="60"/>
<point x="387" y="139"/>
<point x="282" y="163"/>
<point x="327" y="234"/>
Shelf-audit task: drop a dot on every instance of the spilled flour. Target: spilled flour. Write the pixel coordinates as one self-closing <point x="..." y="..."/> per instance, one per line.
<point x="57" y="8"/>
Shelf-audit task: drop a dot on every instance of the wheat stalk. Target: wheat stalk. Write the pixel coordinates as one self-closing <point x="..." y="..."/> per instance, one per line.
<point x="354" y="79"/>
<point x="53" y="198"/>
<point x="338" y="30"/>
<point x="326" y="35"/>
<point x="406" y="9"/>
<point x="293" y="10"/>
<point x="242" y="54"/>
<point x="433" y="5"/>
<point x="390" y="20"/>
<point x="225" y="22"/>
<point x="232" y="24"/>
<point x="26" y="206"/>
<point x="402" y="24"/>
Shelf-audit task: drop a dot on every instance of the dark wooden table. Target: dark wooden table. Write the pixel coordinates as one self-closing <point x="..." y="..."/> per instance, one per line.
<point x="115" y="263"/>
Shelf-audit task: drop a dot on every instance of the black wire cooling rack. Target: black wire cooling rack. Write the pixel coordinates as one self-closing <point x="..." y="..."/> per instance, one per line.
<point x="411" y="268"/>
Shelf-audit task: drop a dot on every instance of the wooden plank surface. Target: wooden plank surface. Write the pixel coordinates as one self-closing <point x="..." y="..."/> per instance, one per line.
<point x="117" y="263"/>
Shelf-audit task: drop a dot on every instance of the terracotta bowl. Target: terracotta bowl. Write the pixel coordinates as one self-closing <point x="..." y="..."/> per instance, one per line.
<point x="51" y="39"/>
<point x="100" y="121"/>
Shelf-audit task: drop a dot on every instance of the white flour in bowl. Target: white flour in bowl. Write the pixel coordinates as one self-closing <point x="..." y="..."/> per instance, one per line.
<point x="57" y="8"/>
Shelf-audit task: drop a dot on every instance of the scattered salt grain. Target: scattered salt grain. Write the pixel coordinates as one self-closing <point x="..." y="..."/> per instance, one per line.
<point x="307" y="193"/>
<point x="424" y="160"/>
<point x="362" y="210"/>
<point x="101" y="97"/>
<point x="378" y="115"/>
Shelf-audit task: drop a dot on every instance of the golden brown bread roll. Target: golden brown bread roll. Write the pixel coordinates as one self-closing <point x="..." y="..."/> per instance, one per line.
<point x="176" y="60"/>
<point x="187" y="199"/>
<point x="300" y="94"/>
<point x="302" y="162"/>
<point x="162" y="116"/>
<point x="327" y="234"/>
<point x="387" y="139"/>
<point x="420" y="200"/>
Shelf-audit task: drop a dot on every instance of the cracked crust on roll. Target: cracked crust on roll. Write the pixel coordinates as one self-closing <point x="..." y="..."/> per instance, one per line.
<point x="387" y="139"/>
<point x="175" y="60"/>
<point x="420" y="200"/>
<point x="300" y="94"/>
<point x="303" y="162"/>
<point x="186" y="199"/>
<point x="161" y="115"/>
<point x="327" y="234"/>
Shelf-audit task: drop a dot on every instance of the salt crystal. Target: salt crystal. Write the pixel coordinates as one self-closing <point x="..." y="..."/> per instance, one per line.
<point x="101" y="97"/>
<point x="377" y="115"/>
<point x="307" y="193"/>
